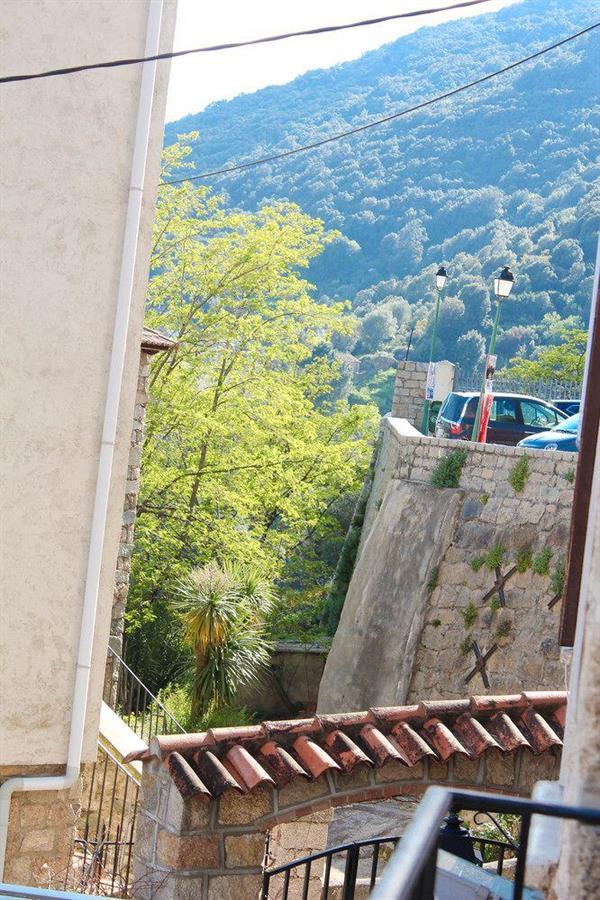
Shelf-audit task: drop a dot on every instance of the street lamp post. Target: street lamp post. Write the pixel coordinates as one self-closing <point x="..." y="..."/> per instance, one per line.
<point x="503" y="285"/>
<point x="441" y="276"/>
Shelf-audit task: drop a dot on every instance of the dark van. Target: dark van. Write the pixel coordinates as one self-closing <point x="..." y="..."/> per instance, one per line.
<point x="512" y="417"/>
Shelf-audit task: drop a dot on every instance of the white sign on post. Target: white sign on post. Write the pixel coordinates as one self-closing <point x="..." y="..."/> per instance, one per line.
<point x="430" y="385"/>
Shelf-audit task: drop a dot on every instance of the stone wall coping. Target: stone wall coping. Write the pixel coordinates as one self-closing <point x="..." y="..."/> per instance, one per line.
<point x="400" y="432"/>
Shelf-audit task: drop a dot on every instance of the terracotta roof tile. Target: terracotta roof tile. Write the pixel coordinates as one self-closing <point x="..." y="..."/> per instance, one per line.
<point x="312" y="757"/>
<point x="346" y="753"/>
<point x="277" y="752"/>
<point x="443" y="741"/>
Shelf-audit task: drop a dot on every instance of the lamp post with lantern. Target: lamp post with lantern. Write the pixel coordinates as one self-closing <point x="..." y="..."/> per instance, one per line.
<point x="503" y="285"/>
<point x="441" y="277"/>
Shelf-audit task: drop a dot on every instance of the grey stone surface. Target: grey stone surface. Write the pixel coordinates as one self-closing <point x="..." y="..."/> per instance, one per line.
<point x="371" y="660"/>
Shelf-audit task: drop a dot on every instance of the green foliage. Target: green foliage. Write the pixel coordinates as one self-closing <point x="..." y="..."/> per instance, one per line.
<point x="223" y="610"/>
<point x="432" y="581"/>
<point x="299" y="617"/>
<point x="495" y="556"/>
<point x="487" y="830"/>
<point x="177" y="699"/>
<point x="447" y="471"/>
<point x="249" y="445"/>
<point x="563" y="362"/>
<point x="483" y="499"/>
<point x="465" y="645"/>
<point x="478" y="562"/>
<point x="541" y="562"/>
<point x="524" y="559"/>
<point x="435" y="623"/>
<point x="495" y="603"/>
<point x="570" y="476"/>
<point x="557" y="579"/>
<point x="469" y="614"/>
<point x="436" y="188"/>
<point x="345" y="565"/>
<point x="503" y="630"/>
<point x="519" y="474"/>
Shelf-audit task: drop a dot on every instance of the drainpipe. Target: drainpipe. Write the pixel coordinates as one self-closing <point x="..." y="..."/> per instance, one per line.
<point x="109" y="431"/>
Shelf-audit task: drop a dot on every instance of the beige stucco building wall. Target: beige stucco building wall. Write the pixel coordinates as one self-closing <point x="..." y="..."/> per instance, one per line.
<point x="66" y="153"/>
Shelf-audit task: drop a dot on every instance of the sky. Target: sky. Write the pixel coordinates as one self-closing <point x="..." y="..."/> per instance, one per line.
<point x="201" y="79"/>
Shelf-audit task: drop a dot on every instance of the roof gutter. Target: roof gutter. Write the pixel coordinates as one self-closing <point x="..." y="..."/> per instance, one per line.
<point x="109" y="432"/>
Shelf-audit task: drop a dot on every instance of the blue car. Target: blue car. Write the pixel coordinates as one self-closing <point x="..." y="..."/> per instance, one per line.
<point x="562" y="437"/>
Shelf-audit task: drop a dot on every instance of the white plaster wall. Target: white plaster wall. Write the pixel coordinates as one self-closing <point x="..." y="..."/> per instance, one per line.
<point x="66" y="159"/>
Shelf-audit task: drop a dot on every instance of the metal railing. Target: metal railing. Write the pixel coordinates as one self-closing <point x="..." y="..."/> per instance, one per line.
<point x="369" y="856"/>
<point x="102" y="855"/>
<point x="129" y="697"/>
<point x="411" y="872"/>
<point x="544" y="389"/>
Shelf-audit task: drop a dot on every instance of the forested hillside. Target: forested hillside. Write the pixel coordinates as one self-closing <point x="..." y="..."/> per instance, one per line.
<point x="503" y="173"/>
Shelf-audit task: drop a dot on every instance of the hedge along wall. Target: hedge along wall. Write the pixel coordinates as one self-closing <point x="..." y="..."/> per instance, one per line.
<point x="423" y="589"/>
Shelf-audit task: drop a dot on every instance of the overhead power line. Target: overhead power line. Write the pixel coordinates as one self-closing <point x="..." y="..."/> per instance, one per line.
<point x="404" y="112"/>
<point x="271" y="39"/>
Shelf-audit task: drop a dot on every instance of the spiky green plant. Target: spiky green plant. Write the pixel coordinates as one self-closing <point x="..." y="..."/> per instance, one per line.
<point x="223" y="611"/>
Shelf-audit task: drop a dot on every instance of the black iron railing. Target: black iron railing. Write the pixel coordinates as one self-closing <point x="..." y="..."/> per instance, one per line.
<point x="101" y="859"/>
<point x="360" y="860"/>
<point x="411" y="872"/>
<point x="129" y="697"/>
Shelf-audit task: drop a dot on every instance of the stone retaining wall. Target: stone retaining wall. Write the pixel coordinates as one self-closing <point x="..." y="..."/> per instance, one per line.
<point x="423" y="590"/>
<point x="203" y="849"/>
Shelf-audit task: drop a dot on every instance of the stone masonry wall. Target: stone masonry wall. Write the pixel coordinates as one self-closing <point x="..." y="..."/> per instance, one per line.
<point x="203" y="849"/>
<point x="423" y="599"/>
<point x="123" y="570"/>
<point x="40" y="831"/>
<point x="409" y="392"/>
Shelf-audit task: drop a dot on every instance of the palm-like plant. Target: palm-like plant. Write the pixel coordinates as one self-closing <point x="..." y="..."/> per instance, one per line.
<point x="223" y="610"/>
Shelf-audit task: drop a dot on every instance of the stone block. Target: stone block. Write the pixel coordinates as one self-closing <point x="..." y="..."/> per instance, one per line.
<point x="239" y="809"/>
<point x="299" y="791"/>
<point x="145" y="838"/>
<point x="500" y="768"/>
<point x="234" y="887"/>
<point x="185" y="816"/>
<point x="38" y="840"/>
<point x="178" y="852"/>
<point x="244" y="850"/>
<point x="397" y="771"/>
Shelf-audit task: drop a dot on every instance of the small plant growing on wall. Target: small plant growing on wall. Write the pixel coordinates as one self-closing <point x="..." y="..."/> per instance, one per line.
<point x="557" y="579"/>
<point x="495" y="603"/>
<point x="435" y="623"/>
<point x="519" y="475"/>
<point x="503" y="629"/>
<point x="524" y="559"/>
<point x="465" y="644"/>
<point x="432" y="582"/>
<point x="478" y="562"/>
<point x="484" y="499"/>
<point x="495" y="556"/>
<point x="469" y="614"/>
<point x="570" y="476"/>
<point x="448" y="469"/>
<point x="541" y="562"/>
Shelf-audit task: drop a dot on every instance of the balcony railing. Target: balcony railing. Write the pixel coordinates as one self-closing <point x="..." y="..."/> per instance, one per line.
<point x="411" y="872"/>
<point x="129" y="697"/>
<point x="338" y="871"/>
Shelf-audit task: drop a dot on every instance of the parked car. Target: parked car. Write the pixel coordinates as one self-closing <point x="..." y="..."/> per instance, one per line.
<point x="563" y="437"/>
<point x="512" y="417"/>
<point x="570" y="407"/>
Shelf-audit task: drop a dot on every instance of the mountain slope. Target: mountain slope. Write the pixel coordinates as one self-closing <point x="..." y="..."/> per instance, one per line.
<point x="503" y="173"/>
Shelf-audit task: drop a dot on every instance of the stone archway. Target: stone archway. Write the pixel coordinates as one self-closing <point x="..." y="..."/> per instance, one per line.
<point x="209" y="800"/>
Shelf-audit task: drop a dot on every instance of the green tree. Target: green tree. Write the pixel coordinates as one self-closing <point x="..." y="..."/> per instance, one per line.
<point x="564" y="361"/>
<point x="246" y="447"/>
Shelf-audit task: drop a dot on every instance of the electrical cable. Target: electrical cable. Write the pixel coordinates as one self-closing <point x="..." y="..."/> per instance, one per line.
<point x="174" y="54"/>
<point x="404" y="112"/>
